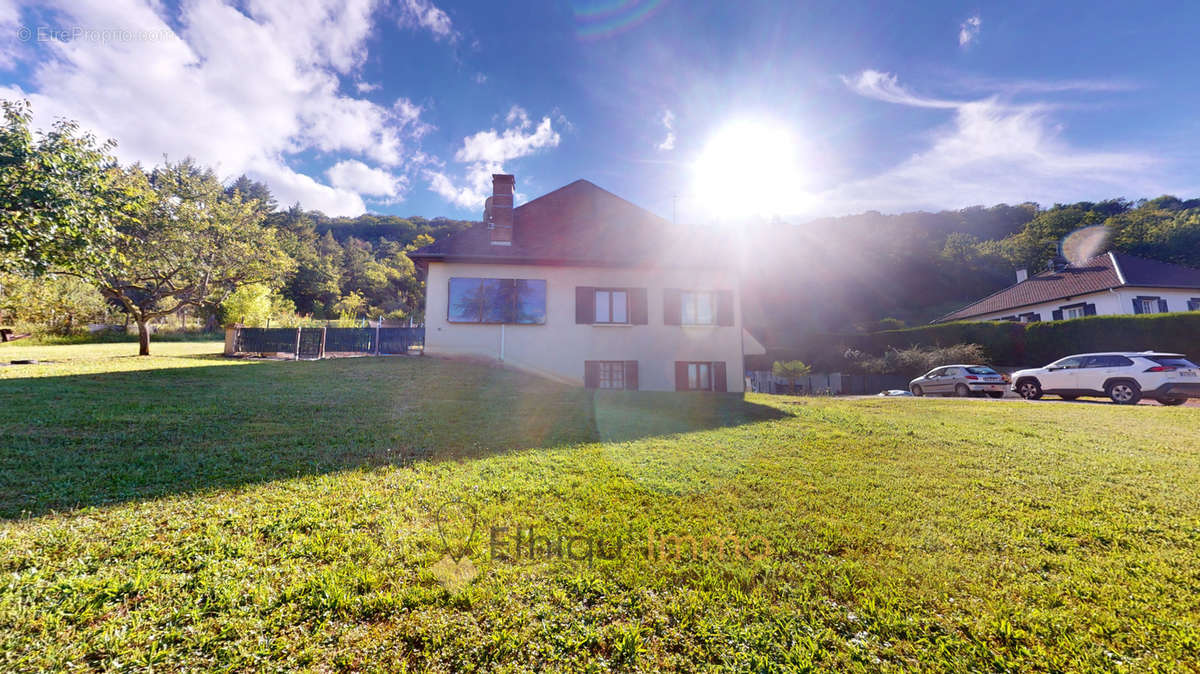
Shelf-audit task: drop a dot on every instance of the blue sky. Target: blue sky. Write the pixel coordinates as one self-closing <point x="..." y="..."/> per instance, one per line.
<point x="719" y="111"/>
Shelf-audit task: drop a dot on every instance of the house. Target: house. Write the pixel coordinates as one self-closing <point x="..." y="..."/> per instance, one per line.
<point x="582" y="286"/>
<point x="1112" y="283"/>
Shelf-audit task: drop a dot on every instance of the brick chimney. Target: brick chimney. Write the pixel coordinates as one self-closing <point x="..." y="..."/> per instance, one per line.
<point x="498" y="211"/>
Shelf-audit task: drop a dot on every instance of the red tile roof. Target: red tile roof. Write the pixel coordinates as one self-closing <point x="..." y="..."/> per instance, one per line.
<point x="584" y="225"/>
<point x="1110" y="270"/>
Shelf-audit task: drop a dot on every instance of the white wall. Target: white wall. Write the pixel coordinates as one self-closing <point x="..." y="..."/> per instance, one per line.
<point x="559" y="348"/>
<point x="1119" y="301"/>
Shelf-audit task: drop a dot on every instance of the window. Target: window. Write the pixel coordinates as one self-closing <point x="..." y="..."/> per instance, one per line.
<point x="699" y="308"/>
<point x="1031" y="317"/>
<point x="612" y="306"/>
<point x="1107" y="361"/>
<point x="1072" y="312"/>
<point x="1173" y="361"/>
<point x="1149" y="305"/>
<point x="979" y="369"/>
<point x="612" y="374"/>
<point x="1066" y="364"/>
<point x="1194" y="304"/>
<point x="699" y="377"/>
<point x="490" y="300"/>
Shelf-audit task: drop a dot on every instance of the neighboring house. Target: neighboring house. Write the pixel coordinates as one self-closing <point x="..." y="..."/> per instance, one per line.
<point x="1112" y="283"/>
<point x="582" y="286"/>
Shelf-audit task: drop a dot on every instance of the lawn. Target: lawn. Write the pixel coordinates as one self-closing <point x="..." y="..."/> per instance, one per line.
<point x="191" y="512"/>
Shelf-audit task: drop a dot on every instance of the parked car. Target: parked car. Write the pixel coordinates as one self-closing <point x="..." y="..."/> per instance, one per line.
<point x="959" y="380"/>
<point x="1169" y="378"/>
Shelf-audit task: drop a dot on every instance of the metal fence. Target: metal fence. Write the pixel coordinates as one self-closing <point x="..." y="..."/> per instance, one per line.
<point x="322" y="342"/>
<point x="836" y="383"/>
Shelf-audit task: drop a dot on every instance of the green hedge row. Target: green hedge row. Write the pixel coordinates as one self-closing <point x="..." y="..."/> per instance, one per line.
<point x="1007" y="343"/>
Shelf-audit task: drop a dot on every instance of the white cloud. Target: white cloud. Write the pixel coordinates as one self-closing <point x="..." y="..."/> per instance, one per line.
<point x="187" y="91"/>
<point x="355" y="176"/>
<point x="486" y="152"/>
<point x="365" y="87"/>
<point x="969" y="30"/>
<point x="990" y="152"/>
<point x="885" y="87"/>
<point x="424" y="14"/>
<point x="480" y="78"/>
<point x="668" y="122"/>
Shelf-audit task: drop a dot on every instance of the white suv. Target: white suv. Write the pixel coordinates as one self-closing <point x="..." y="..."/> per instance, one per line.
<point x="1169" y="378"/>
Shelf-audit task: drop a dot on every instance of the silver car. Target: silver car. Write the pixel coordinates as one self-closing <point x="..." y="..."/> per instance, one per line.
<point x="959" y="380"/>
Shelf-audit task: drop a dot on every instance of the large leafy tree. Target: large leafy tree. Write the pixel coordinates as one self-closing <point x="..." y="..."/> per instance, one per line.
<point x="192" y="244"/>
<point x="61" y="195"/>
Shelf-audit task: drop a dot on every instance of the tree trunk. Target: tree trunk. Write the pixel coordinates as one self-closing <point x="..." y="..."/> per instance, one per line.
<point x="143" y="338"/>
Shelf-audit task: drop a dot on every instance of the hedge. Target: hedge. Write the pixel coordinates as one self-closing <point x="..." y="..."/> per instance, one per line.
<point x="1007" y="343"/>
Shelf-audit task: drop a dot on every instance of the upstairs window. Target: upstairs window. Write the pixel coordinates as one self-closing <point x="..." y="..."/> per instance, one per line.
<point x="699" y="308"/>
<point x="612" y="306"/>
<point x="490" y="300"/>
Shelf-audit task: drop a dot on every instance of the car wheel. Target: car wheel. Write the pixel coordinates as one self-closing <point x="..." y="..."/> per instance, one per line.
<point x="1029" y="389"/>
<point x="1069" y="398"/>
<point x="1124" y="392"/>
<point x="1171" y="402"/>
<point x="995" y="394"/>
<point x="961" y="390"/>
<point x="917" y="390"/>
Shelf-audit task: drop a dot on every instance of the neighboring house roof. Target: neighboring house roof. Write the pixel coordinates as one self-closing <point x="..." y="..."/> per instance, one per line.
<point x="582" y="224"/>
<point x="1110" y="270"/>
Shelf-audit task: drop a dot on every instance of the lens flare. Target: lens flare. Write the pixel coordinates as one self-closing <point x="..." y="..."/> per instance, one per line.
<point x="600" y="20"/>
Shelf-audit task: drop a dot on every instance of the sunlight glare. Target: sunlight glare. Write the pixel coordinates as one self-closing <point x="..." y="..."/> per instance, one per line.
<point x="749" y="167"/>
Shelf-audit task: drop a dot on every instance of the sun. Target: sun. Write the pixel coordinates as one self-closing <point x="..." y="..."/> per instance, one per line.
<point x="749" y="167"/>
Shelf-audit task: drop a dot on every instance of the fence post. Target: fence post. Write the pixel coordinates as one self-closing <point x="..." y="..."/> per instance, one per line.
<point x="322" y="353"/>
<point x="378" y="325"/>
<point x="296" y="356"/>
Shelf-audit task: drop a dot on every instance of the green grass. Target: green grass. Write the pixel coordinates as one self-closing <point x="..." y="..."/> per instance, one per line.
<point x="191" y="512"/>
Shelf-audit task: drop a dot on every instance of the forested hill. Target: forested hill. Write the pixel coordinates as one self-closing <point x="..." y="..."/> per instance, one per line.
<point x="850" y="272"/>
<point x="373" y="227"/>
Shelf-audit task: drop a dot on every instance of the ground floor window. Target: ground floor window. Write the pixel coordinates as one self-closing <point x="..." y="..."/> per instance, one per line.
<point x="700" y="376"/>
<point x="1194" y="304"/>
<point x="610" y="374"/>
<point x="1073" y="312"/>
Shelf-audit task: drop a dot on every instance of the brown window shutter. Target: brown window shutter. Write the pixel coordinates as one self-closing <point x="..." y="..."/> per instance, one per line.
<point x="631" y="380"/>
<point x="681" y="375"/>
<point x="724" y="307"/>
<point x="591" y="374"/>
<point x="672" y="307"/>
<point x="718" y="375"/>
<point x="639" y="312"/>
<point x="585" y="304"/>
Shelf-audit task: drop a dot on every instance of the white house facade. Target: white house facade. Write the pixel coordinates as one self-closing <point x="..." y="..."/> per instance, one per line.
<point x="583" y="287"/>
<point x="1108" y="284"/>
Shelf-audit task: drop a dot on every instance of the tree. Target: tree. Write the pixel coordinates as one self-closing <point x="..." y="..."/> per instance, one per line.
<point x="191" y="245"/>
<point x="61" y="195"/>
<point x="791" y="370"/>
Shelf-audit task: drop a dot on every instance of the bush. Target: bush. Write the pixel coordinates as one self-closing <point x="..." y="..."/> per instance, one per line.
<point x="915" y="361"/>
<point x="1004" y="343"/>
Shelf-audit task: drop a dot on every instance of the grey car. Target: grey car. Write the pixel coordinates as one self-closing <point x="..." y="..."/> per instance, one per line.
<point x="959" y="380"/>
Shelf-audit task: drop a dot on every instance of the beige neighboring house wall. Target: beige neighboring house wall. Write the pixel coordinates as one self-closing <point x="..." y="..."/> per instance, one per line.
<point x="559" y="348"/>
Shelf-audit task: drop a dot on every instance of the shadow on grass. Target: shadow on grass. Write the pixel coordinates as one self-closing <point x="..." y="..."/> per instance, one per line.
<point x="83" y="440"/>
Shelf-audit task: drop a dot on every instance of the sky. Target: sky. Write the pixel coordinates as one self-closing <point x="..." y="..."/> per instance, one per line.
<point x="699" y="111"/>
